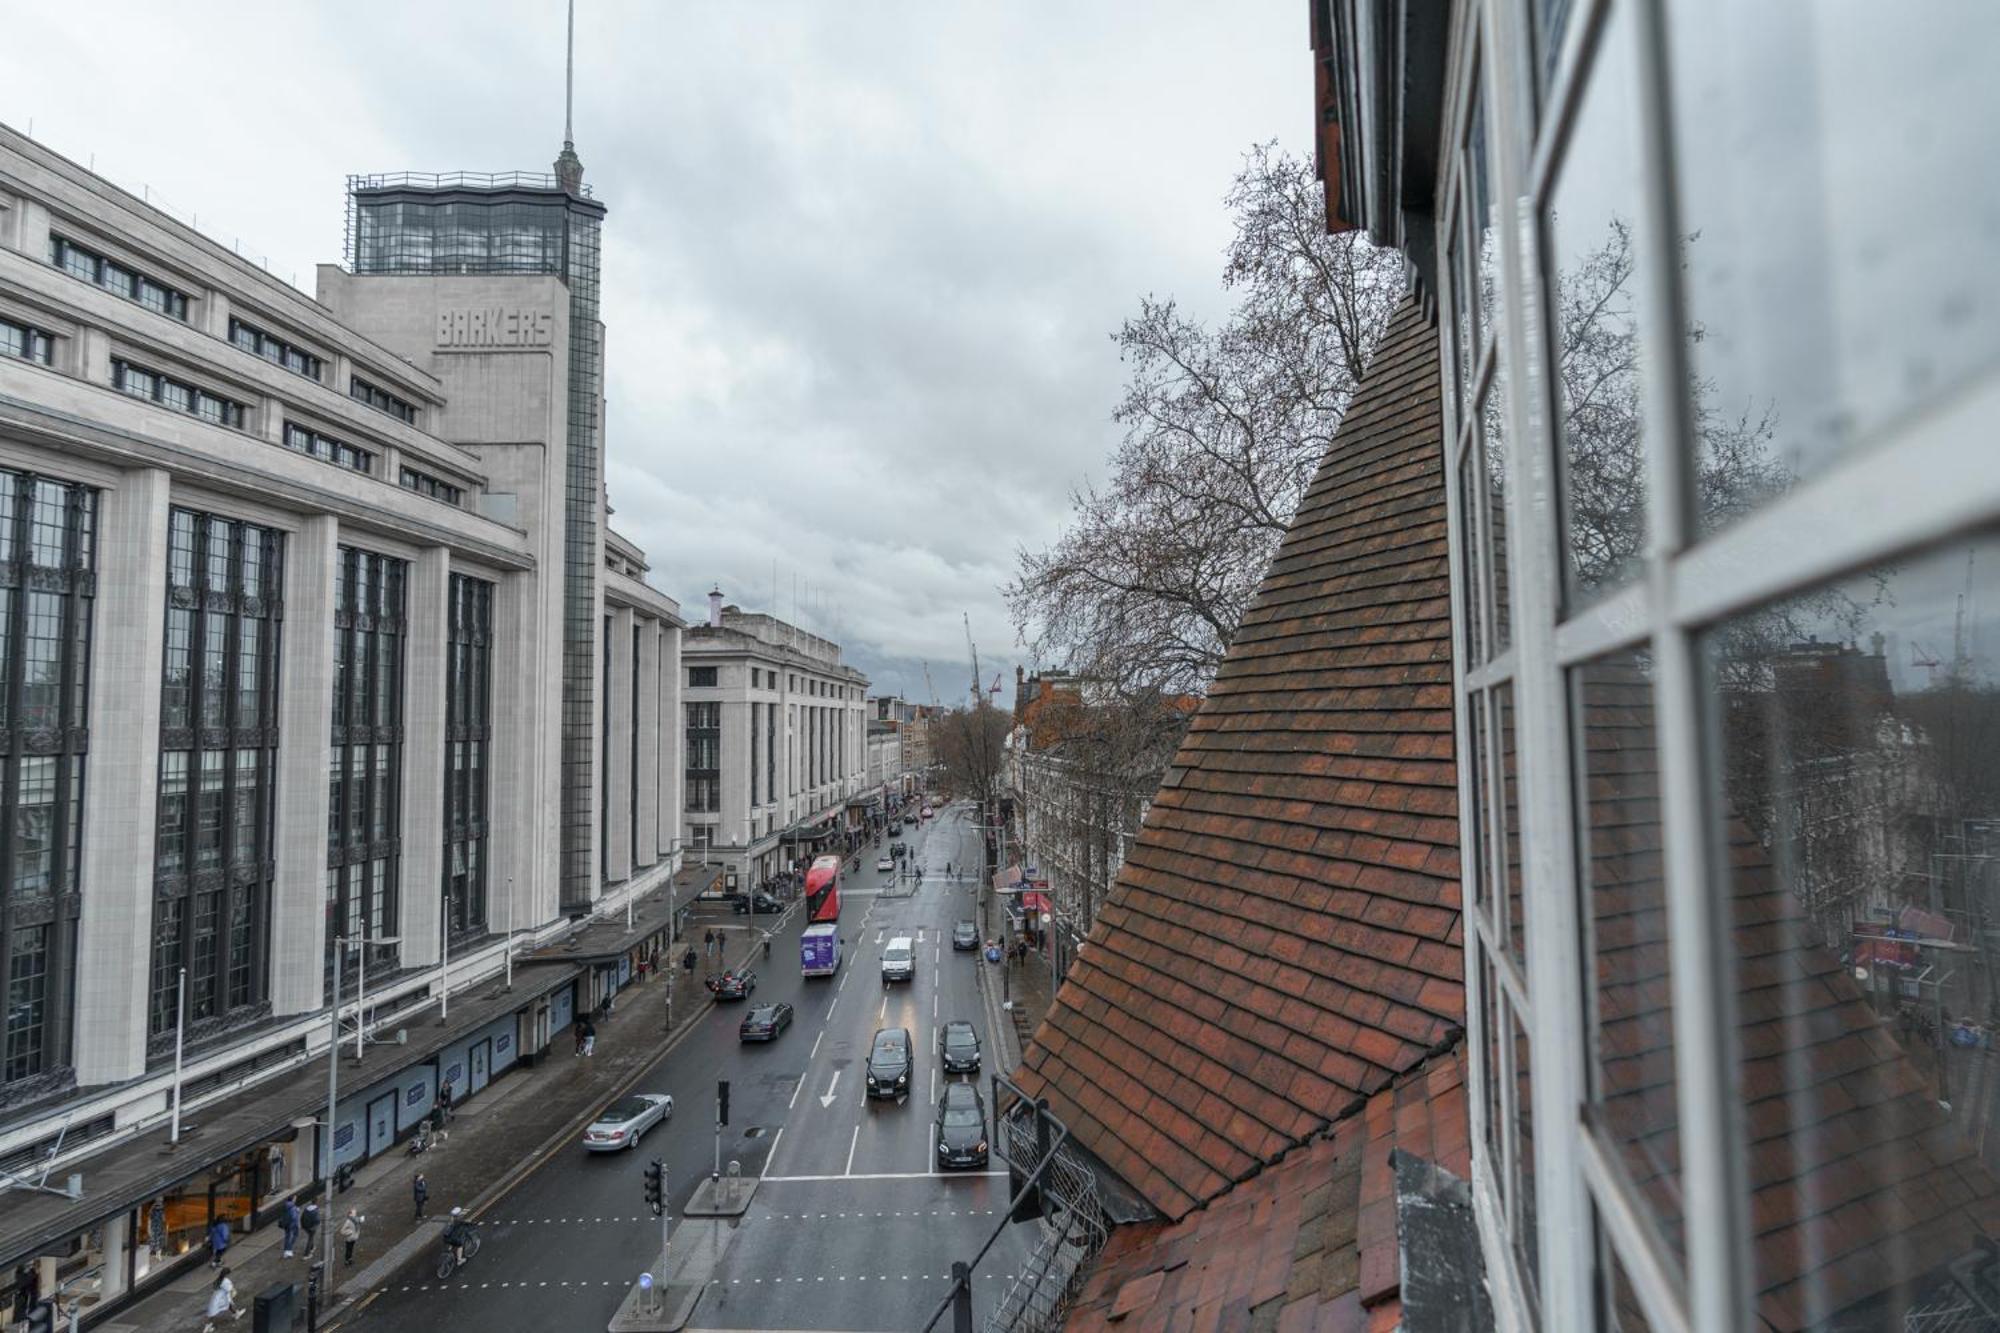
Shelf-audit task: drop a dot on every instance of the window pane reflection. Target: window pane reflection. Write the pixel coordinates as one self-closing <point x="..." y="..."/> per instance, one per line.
<point x="1858" y="733"/>
<point x="1594" y="317"/>
<point x="1815" y="318"/>
<point x="1631" y="1015"/>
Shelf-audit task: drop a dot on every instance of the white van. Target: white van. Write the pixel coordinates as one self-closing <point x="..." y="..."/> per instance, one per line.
<point x="899" y="960"/>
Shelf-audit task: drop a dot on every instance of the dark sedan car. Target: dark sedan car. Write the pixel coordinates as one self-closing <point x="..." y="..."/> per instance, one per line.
<point x="734" y="985"/>
<point x="760" y="902"/>
<point x="961" y="1127"/>
<point x="959" y="1047"/>
<point x="965" y="938"/>
<point x="764" y="1022"/>
<point x="889" y="1062"/>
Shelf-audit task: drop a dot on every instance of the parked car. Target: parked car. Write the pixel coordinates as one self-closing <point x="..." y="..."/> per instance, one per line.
<point x="961" y="1126"/>
<point x="885" y="863"/>
<point x="625" y="1120"/>
<point x="965" y="937"/>
<point x="889" y="1063"/>
<point x="735" y="985"/>
<point x="760" y="902"/>
<point x="958" y="1044"/>
<point x="764" y="1022"/>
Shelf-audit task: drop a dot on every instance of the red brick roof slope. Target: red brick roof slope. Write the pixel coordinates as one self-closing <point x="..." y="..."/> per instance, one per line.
<point x="1284" y="937"/>
<point x="1309" y="1244"/>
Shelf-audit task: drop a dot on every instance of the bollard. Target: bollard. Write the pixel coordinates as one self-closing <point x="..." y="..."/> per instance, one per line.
<point x="652" y="1297"/>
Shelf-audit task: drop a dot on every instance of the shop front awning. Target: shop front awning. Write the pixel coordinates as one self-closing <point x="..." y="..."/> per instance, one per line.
<point x="818" y="828"/>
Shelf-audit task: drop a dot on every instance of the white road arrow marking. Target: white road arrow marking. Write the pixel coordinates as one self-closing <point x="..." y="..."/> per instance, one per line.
<point x="827" y="1100"/>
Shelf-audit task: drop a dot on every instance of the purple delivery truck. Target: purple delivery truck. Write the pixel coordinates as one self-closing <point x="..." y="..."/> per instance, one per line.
<point x="819" y="950"/>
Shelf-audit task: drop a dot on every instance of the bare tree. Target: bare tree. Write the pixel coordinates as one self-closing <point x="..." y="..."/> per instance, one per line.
<point x="1224" y="428"/>
<point x="972" y="745"/>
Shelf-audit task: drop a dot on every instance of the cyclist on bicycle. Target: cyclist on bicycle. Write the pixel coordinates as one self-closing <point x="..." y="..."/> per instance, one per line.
<point x="455" y="1232"/>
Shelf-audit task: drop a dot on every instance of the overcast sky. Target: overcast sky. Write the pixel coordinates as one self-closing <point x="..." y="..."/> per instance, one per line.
<point x="861" y="258"/>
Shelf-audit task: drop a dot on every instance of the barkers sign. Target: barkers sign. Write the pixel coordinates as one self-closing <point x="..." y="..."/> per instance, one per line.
<point x="495" y="326"/>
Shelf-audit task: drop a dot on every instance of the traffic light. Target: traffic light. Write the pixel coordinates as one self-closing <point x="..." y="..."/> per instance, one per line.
<point x="656" y="1187"/>
<point x="722" y="1101"/>
<point x="42" y="1317"/>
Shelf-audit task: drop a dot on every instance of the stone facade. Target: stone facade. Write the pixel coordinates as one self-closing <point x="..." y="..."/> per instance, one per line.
<point x="169" y="387"/>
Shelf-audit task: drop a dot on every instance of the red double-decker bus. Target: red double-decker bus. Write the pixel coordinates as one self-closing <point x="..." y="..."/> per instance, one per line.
<point x="823" y="889"/>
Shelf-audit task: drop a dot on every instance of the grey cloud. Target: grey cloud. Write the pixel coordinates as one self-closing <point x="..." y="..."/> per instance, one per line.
<point x="861" y="260"/>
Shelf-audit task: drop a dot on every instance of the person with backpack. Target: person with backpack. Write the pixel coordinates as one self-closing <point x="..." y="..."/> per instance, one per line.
<point x="350" y="1236"/>
<point x="309" y="1223"/>
<point x="290" y="1223"/>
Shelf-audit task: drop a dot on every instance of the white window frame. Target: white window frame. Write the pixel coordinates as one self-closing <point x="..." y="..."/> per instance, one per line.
<point x="1914" y="483"/>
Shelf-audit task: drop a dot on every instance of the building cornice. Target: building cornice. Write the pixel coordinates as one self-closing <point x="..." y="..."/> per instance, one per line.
<point x="103" y="444"/>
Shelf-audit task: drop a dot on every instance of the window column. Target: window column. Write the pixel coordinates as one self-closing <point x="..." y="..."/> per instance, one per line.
<point x="670" y="766"/>
<point x="646" y="836"/>
<point x="468" y="740"/>
<point x="522" y="783"/>
<point x="425" y="762"/>
<point x="118" y="820"/>
<point x="616" y="780"/>
<point x="305" y="676"/>
<point x="364" y="767"/>
<point x="213" y="861"/>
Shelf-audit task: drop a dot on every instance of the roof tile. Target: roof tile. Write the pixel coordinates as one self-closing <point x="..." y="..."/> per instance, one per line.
<point x="1284" y="934"/>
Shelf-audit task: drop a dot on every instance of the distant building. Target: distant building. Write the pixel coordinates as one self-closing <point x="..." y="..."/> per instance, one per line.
<point x="1081" y="772"/>
<point x="914" y="725"/>
<point x="316" y="654"/>
<point x="775" y="743"/>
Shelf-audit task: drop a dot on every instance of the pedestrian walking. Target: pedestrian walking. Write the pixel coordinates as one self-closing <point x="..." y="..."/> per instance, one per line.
<point x="437" y="1123"/>
<point x="350" y="1234"/>
<point x="309" y="1223"/>
<point x="218" y="1241"/>
<point x="291" y="1226"/>
<point x="589" y="1037"/>
<point x="444" y="1100"/>
<point x="221" y="1301"/>
<point x="576" y="1030"/>
<point x="420" y="1190"/>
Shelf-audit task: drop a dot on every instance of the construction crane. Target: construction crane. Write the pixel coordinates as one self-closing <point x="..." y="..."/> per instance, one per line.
<point x="927" y="684"/>
<point x="1922" y="657"/>
<point x="977" y="697"/>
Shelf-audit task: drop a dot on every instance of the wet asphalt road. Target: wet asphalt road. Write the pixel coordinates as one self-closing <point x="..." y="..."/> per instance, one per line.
<point x="851" y="1228"/>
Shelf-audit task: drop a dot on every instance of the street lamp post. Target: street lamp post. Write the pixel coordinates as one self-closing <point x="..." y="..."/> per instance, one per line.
<point x="180" y="1044"/>
<point x="510" y="934"/>
<point x="444" y="960"/>
<point x="341" y="944"/>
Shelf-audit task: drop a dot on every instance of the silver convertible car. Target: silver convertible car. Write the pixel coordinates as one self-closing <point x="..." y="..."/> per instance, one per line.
<point x="626" y="1119"/>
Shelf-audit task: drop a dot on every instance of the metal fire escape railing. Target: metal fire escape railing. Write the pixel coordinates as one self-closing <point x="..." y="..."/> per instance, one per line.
<point x="1049" y="1182"/>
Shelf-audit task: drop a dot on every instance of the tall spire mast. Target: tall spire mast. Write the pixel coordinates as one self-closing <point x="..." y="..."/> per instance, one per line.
<point x="569" y="167"/>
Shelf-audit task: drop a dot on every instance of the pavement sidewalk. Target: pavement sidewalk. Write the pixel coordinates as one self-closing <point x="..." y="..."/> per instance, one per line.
<point x="494" y="1140"/>
<point x="1017" y="998"/>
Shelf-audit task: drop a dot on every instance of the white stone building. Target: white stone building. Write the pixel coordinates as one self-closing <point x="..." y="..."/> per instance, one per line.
<point x="316" y="654"/>
<point x="775" y="744"/>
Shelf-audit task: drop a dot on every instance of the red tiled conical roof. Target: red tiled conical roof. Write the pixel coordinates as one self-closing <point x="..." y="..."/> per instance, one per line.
<point x="1284" y="937"/>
